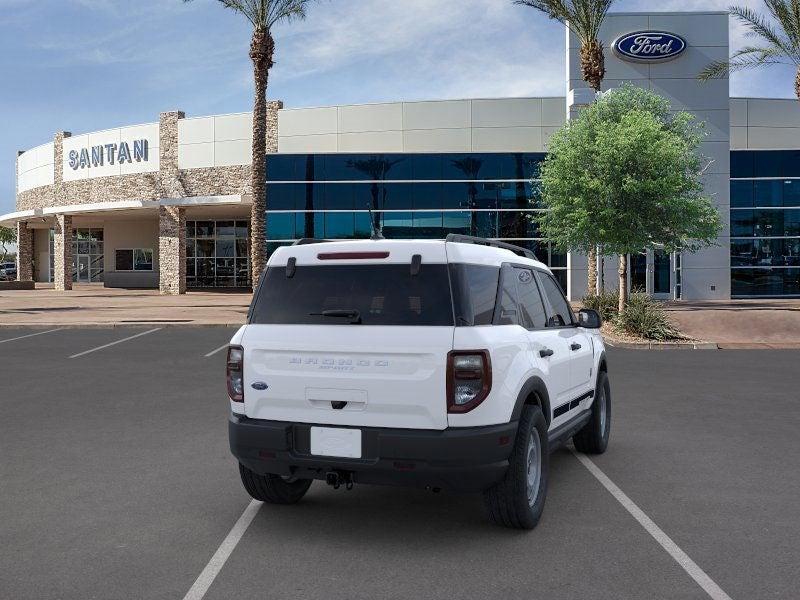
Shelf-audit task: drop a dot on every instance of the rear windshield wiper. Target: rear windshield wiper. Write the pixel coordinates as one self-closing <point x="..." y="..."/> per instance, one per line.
<point x="353" y="315"/>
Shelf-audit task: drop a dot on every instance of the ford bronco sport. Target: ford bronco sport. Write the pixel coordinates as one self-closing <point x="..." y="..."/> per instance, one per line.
<point x="454" y="364"/>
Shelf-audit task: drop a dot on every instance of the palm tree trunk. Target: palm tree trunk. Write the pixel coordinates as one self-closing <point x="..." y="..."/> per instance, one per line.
<point x="593" y="67"/>
<point x="593" y="70"/>
<point x="261" y="52"/>
<point x="623" y="282"/>
<point x="797" y="84"/>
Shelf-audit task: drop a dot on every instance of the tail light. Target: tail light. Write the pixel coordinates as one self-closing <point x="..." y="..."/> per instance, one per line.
<point x="469" y="379"/>
<point x="235" y="373"/>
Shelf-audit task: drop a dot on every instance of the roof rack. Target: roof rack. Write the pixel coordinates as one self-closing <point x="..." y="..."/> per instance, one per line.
<point x="469" y="239"/>
<point x="305" y="241"/>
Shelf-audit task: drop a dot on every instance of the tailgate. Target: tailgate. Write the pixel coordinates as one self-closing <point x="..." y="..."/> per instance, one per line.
<point x="376" y="376"/>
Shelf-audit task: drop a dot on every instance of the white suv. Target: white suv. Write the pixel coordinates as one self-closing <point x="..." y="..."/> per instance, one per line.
<point x="452" y="364"/>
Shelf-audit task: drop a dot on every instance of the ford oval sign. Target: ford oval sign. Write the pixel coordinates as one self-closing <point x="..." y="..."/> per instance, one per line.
<point x="649" y="46"/>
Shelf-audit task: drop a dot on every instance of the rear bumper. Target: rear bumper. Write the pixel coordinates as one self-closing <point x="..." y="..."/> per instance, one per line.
<point x="464" y="459"/>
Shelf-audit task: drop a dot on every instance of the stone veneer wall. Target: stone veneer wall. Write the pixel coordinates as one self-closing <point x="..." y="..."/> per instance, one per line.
<point x="171" y="250"/>
<point x="24" y="252"/>
<point x="62" y="250"/>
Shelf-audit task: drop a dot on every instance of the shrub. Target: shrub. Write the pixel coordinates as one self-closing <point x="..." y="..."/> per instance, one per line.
<point x="646" y="318"/>
<point x="605" y="303"/>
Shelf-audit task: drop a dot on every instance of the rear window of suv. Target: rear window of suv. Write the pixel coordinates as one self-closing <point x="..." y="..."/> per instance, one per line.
<point x="378" y="294"/>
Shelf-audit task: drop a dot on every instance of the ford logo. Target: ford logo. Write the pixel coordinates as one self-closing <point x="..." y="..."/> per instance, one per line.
<point x="649" y="46"/>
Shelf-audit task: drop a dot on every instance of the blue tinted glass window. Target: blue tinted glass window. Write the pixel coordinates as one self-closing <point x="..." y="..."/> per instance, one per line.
<point x="765" y="282"/>
<point x="310" y="196"/>
<point x="527" y="166"/>
<point x="282" y="196"/>
<point x="768" y="163"/>
<point x="426" y="166"/>
<point x="455" y="195"/>
<point x="514" y="195"/>
<point x="768" y="193"/>
<point x="457" y="222"/>
<point x="280" y="226"/>
<point x="398" y="225"/>
<point x="557" y="259"/>
<point x="281" y="167"/>
<point x="426" y="195"/>
<point x="742" y="164"/>
<point x="742" y="223"/>
<point x="791" y="192"/>
<point x="383" y="196"/>
<point x="485" y="224"/>
<point x="363" y="228"/>
<point x="338" y="167"/>
<point x="310" y="167"/>
<point x="340" y="196"/>
<point x="309" y="225"/>
<point x="428" y="224"/>
<point x="339" y="225"/>
<point x="741" y="194"/>
<point x="791" y="163"/>
<point x="791" y="223"/>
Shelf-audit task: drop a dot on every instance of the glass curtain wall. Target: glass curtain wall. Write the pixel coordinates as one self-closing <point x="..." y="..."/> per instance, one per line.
<point x="411" y="195"/>
<point x="217" y="254"/>
<point x="765" y="223"/>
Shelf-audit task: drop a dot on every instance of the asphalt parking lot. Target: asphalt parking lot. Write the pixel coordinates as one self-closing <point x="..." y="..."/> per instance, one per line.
<point x="116" y="482"/>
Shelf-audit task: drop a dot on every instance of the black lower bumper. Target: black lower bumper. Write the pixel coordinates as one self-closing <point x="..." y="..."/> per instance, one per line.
<point x="463" y="459"/>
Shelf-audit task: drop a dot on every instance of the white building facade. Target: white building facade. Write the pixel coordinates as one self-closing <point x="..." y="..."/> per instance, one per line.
<point x="167" y="204"/>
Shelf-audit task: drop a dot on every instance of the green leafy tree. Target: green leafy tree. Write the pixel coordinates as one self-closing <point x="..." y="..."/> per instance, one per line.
<point x="8" y="236"/>
<point x="584" y="19"/>
<point x="626" y="175"/>
<point x="778" y="40"/>
<point x="263" y="15"/>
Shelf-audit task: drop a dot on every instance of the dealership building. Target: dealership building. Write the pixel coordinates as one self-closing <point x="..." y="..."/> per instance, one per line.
<point x="167" y="204"/>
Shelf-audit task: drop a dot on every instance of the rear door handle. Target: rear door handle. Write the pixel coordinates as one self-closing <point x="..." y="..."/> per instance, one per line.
<point x="545" y="353"/>
<point x="575" y="346"/>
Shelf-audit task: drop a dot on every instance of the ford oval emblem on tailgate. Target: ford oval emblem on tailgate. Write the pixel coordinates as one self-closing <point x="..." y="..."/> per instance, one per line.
<point x="259" y="385"/>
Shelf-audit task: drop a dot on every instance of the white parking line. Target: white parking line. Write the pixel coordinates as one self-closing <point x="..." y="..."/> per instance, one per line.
<point x="115" y="343"/>
<point x="214" y="566"/>
<point x="688" y="565"/>
<point x="22" y="337"/>
<point x="213" y="352"/>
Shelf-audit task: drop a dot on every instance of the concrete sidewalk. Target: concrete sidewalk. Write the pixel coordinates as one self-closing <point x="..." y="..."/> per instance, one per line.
<point x="740" y="323"/>
<point x="93" y="305"/>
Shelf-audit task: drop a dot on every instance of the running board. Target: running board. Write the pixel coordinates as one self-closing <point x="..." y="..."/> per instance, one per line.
<point x="561" y="434"/>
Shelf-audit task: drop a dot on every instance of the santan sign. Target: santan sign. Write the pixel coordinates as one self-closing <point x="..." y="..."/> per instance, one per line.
<point x="649" y="46"/>
<point x="97" y="156"/>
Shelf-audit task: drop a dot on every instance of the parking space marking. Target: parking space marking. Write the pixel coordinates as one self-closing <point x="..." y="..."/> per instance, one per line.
<point x="115" y="343"/>
<point x="22" y="337"/>
<point x="220" y="349"/>
<point x="214" y="566"/>
<point x="695" y="572"/>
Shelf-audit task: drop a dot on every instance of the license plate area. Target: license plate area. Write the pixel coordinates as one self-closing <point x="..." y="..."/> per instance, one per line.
<point x="335" y="441"/>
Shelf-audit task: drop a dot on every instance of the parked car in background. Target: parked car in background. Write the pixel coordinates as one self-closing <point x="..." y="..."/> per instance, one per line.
<point x="8" y="271"/>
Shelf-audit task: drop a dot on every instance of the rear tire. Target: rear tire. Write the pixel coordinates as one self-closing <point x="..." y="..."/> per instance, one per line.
<point x="518" y="500"/>
<point x="273" y="489"/>
<point x="593" y="438"/>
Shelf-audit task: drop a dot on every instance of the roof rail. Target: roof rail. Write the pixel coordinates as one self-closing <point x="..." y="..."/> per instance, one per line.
<point x="305" y="241"/>
<point x="469" y="239"/>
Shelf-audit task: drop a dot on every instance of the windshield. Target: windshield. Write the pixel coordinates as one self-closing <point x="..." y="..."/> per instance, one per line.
<point x="355" y="295"/>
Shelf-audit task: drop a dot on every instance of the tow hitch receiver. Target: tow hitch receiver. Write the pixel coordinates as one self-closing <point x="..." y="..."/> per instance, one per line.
<point x="339" y="478"/>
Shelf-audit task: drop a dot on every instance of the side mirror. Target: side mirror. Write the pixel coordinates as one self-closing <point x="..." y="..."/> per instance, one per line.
<point x="590" y="319"/>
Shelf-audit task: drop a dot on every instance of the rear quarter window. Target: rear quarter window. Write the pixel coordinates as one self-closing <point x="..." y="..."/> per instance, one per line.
<point x="474" y="293"/>
<point x="381" y="294"/>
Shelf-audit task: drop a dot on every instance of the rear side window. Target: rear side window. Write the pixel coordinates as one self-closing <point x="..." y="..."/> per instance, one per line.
<point x="530" y="300"/>
<point x="561" y="314"/>
<point x="507" y="298"/>
<point x="377" y="294"/>
<point x="474" y="293"/>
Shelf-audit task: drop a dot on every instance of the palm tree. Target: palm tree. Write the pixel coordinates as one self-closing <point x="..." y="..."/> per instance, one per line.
<point x="780" y="42"/>
<point x="263" y="15"/>
<point x="584" y="19"/>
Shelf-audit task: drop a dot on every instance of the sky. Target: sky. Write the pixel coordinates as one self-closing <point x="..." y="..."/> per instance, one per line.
<point x="86" y="65"/>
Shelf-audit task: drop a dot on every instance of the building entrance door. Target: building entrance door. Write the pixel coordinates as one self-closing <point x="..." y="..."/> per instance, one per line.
<point x="652" y="272"/>
<point x="83" y="269"/>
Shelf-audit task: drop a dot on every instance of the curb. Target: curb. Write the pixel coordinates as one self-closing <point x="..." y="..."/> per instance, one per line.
<point x="662" y="345"/>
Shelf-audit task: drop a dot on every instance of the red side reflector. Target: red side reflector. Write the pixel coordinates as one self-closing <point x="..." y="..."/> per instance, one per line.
<point x="351" y="255"/>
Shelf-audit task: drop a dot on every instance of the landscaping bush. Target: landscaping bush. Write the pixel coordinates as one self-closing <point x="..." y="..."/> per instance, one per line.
<point x="646" y="318"/>
<point x="605" y="303"/>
